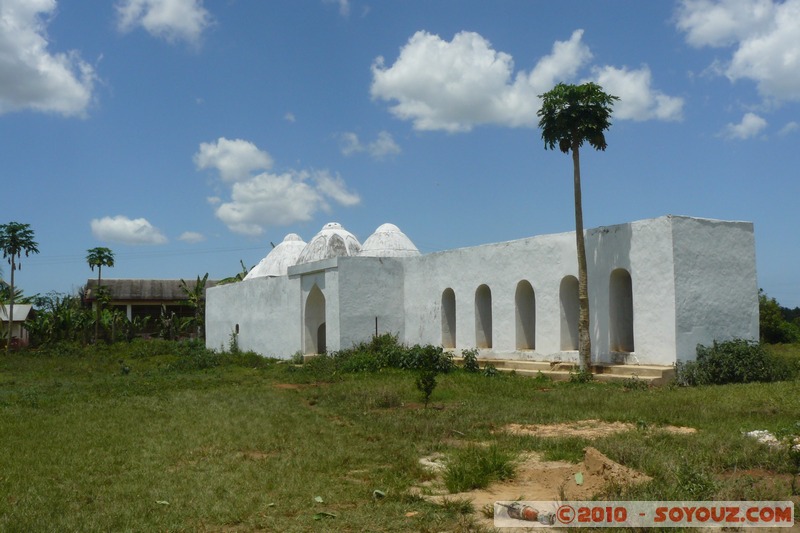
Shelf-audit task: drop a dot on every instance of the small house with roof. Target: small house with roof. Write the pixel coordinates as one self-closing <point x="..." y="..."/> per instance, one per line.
<point x="658" y="288"/>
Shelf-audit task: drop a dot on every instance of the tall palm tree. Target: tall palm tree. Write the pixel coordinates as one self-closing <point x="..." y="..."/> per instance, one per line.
<point x="571" y="115"/>
<point x="15" y="239"/>
<point x="99" y="257"/>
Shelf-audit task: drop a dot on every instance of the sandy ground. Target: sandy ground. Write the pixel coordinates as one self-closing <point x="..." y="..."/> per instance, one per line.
<point x="539" y="480"/>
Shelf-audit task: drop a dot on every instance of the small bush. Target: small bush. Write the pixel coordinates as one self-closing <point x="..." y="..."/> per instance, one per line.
<point x="426" y="382"/>
<point x="471" y="360"/>
<point x="581" y="376"/>
<point x="735" y="361"/>
<point x="489" y="370"/>
<point x="474" y="467"/>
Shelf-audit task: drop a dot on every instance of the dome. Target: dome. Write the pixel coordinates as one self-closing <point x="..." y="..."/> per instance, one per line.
<point x="389" y="241"/>
<point x="279" y="259"/>
<point x="331" y="241"/>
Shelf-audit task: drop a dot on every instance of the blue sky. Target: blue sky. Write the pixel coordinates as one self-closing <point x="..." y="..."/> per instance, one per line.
<point x="187" y="135"/>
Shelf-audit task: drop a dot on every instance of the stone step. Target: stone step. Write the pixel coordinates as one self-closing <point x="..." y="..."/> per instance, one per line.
<point x="561" y="371"/>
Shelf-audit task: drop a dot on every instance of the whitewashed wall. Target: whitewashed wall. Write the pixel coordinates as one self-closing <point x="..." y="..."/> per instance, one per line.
<point x="266" y="310"/>
<point x="716" y="288"/>
<point x="692" y="281"/>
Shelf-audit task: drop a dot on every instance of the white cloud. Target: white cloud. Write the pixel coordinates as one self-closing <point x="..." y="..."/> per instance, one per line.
<point x="289" y="117"/>
<point x="268" y="199"/>
<point x="380" y="148"/>
<point x="124" y="230"/>
<point x="344" y="6"/>
<point x="457" y="85"/>
<point x="31" y="76"/>
<point x="235" y="160"/>
<point x="722" y="23"/>
<point x="192" y="237"/>
<point x="750" y="126"/>
<point x="789" y="128"/>
<point x="171" y="20"/>
<point x="763" y="33"/>
<point x="637" y="99"/>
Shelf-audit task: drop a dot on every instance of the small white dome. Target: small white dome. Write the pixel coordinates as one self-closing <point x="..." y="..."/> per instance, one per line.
<point x="280" y="258"/>
<point x="389" y="241"/>
<point x="332" y="241"/>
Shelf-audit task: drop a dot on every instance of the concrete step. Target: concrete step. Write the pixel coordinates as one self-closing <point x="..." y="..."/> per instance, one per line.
<point x="561" y="371"/>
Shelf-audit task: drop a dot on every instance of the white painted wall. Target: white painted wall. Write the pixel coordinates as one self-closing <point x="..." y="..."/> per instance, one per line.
<point x="716" y="289"/>
<point x="692" y="281"/>
<point x="266" y="310"/>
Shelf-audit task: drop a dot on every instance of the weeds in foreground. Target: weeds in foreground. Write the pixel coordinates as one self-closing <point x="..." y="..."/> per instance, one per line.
<point x="474" y="467"/>
<point x="186" y="426"/>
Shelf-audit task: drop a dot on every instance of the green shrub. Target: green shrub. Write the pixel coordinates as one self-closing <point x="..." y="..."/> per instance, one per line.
<point x="426" y="382"/>
<point x="489" y="370"/>
<point x="734" y="361"/>
<point x="471" y="360"/>
<point x="428" y="357"/>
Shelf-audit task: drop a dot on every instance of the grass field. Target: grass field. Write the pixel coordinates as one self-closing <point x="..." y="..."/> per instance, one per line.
<point x="155" y="437"/>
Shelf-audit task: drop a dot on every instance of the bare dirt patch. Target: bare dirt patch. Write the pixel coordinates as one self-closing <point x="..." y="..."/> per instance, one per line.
<point x="537" y="479"/>
<point x="587" y="429"/>
<point x="540" y="480"/>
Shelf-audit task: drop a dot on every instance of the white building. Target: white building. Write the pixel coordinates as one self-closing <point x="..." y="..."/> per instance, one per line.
<point x="657" y="289"/>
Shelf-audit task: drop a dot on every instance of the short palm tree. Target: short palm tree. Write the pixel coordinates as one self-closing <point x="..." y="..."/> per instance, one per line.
<point x="15" y="239"/>
<point x="571" y="115"/>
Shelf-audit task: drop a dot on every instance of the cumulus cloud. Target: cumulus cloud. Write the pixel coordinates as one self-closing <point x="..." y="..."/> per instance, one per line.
<point x="457" y="85"/>
<point x="171" y="20"/>
<point x="33" y="77"/>
<point x="192" y="237"/>
<point x="235" y="160"/>
<point x="380" y="148"/>
<point x="762" y="34"/>
<point x="750" y="126"/>
<point x="637" y="99"/>
<point x="124" y="230"/>
<point x="268" y="198"/>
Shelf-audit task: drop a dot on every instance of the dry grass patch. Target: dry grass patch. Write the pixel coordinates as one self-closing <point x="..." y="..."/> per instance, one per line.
<point x="586" y="429"/>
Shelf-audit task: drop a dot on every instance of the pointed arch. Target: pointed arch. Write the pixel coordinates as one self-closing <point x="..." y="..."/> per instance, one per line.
<point x="525" y="315"/>
<point x="570" y="308"/>
<point x="448" y="318"/>
<point x="620" y="311"/>
<point x="315" y="330"/>
<point x="483" y="317"/>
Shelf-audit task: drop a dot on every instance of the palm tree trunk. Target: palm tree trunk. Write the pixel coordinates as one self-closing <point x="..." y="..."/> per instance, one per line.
<point x="584" y="342"/>
<point x="11" y="305"/>
<point x="97" y="306"/>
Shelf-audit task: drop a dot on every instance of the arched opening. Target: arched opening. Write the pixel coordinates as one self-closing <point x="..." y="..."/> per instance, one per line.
<point x="448" y="319"/>
<point x="570" y="309"/>
<point x="483" y="317"/>
<point x="620" y="310"/>
<point x="315" y="341"/>
<point x="525" y="304"/>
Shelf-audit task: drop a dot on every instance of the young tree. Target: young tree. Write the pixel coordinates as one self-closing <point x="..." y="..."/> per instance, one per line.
<point x="99" y="257"/>
<point x="195" y="296"/>
<point x="571" y="115"/>
<point x="15" y="239"/>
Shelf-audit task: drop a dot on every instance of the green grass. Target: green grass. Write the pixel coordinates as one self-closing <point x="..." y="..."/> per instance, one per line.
<point x="192" y="441"/>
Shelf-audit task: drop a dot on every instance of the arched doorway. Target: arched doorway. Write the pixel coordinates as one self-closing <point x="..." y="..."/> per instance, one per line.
<point x="570" y="309"/>
<point x="620" y="311"/>
<point x="525" y="305"/>
<point x="483" y="317"/>
<point x="315" y="341"/>
<point x="448" y="318"/>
